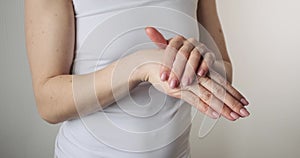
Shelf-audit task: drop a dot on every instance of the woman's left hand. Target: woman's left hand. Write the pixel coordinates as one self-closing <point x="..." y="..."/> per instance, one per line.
<point x="182" y="58"/>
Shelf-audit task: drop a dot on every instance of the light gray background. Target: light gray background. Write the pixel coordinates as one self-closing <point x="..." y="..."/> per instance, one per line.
<point x="263" y="38"/>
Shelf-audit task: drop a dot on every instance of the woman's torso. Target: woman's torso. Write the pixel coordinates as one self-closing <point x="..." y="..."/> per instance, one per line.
<point x="145" y="123"/>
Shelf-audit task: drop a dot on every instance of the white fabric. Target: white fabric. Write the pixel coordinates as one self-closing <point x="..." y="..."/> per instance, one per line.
<point x="138" y="128"/>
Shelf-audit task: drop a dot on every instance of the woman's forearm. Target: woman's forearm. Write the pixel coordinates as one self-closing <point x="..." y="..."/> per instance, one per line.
<point x="64" y="97"/>
<point x="224" y="66"/>
<point x="208" y="17"/>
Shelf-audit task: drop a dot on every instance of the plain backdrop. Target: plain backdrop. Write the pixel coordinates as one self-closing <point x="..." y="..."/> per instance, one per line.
<point x="263" y="39"/>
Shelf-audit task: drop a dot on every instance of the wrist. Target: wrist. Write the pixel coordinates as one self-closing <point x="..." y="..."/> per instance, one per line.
<point x="224" y="68"/>
<point x="147" y="64"/>
<point x="139" y="74"/>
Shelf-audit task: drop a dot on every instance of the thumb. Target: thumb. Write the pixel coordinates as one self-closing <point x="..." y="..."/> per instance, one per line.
<point x="156" y="37"/>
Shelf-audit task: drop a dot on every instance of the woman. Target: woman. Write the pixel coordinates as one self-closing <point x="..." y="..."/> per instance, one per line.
<point x="64" y="80"/>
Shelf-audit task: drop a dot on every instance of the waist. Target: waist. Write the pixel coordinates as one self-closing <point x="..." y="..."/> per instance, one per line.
<point x="127" y="133"/>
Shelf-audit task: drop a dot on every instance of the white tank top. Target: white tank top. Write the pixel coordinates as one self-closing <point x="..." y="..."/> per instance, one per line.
<point x="145" y="123"/>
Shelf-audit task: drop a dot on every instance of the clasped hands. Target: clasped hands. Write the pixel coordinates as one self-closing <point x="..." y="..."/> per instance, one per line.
<point x="186" y="72"/>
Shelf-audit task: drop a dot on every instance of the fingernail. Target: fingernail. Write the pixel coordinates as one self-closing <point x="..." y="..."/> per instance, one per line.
<point x="163" y="76"/>
<point x="244" y="101"/>
<point x="215" y="114"/>
<point x="244" y="112"/>
<point x="201" y="73"/>
<point x="234" y="115"/>
<point x="173" y="83"/>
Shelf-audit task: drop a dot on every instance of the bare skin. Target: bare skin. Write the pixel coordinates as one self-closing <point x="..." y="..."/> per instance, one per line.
<point x="50" y="40"/>
<point x="188" y="49"/>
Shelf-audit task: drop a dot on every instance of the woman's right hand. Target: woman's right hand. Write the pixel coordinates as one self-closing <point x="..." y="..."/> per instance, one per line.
<point x="211" y="95"/>
<point x="183" y="58"/>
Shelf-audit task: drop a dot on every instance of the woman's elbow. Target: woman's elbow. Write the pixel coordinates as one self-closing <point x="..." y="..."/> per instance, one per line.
<point x="47" y="115"/>
<point x="46" y="111"/>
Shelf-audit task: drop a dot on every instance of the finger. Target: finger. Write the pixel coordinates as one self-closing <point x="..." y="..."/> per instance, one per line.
<point x="208" y="60"/>
<point x="223" y="95"/>
<point x="179" y="63"/>
<point x="169" y="57"/>
<point x="156" y="37"/>
<point x="191" y="67"/>
<point x="202" y="48"/>
<point x="222" y="108"/>
<point x="223" y="82"/>
<point x="201" y="106"/>
<point x="217" y="105"/>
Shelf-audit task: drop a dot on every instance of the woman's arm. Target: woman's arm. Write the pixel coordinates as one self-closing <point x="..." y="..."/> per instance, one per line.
<point x="50" y="40"/>
<point x="208" y="17"/>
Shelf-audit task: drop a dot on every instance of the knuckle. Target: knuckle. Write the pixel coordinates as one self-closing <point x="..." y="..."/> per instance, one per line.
<point x="222" y="81"/>
<point x="195" y="54"/>
<point x="220" y="91"/>
<point x="184" y="51"/>
<point x="236" y="106"/>
<point x="192" y="41"/>
<point x="204" y="80"/>
<point x="172" y="75"/>
<point x="176" y="74"/>
<point x="207" y="96"/>
<point x="202" y="107"/>
<point x="234" y="93"/>
<point x="225" y="83"/>
<point x="180" y="37"/>
<point x="210" y="57"/>
<point x="165" y="69"/>
<point x="175" y="44"/>
<point x="164" y="66"/>
<point x="202" y="48"/>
